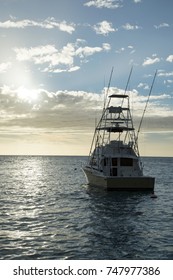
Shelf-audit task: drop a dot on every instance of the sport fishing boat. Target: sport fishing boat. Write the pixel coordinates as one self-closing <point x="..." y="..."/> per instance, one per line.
<point x="114" y="162"/>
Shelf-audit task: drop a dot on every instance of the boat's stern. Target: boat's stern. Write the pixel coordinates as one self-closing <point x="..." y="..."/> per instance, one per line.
<point x="142" y="183"/>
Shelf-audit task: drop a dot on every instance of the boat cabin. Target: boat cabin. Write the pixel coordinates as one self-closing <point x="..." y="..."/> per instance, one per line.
<point x="116" y="159"/>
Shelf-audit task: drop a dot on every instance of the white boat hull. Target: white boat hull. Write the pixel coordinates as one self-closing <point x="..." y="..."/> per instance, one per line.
<point x="140" y="183"/>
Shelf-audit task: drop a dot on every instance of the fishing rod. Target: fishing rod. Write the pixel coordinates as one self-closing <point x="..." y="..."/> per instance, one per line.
<point x="106" y="95"/>
<point x="127" y="84"/>
<point x="151" y="88"/>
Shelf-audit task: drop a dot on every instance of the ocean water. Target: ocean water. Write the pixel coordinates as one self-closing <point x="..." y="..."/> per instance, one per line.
<point x="47" y="211"/>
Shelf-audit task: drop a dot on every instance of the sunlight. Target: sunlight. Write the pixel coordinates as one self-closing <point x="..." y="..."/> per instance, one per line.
<point x="28" y="95"/>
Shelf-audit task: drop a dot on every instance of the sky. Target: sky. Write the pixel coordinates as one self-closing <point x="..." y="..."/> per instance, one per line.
<point x="56" y="58"/>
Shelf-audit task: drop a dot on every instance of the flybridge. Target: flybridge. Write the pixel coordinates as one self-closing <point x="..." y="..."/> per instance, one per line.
<point x="116" y="119"/>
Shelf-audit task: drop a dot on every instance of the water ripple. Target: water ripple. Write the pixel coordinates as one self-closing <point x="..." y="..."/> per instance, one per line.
<point x="48" y="212"/>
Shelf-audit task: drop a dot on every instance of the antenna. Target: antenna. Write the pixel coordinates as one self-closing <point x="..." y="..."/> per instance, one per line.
<point x="140" y="124"/>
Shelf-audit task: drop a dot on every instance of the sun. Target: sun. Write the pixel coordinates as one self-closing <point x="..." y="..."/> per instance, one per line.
<point x="28" y="95"/>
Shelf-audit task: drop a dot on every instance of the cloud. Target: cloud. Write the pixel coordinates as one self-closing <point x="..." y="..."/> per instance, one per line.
<point x="50" y="110"/>
<point x="110" y="4"/>
<point x="149" y="61"/>
<point x="168" y="83"/>
<point x="162" y="25"/>
<point x="132" y="49"/>
<point x="62" y="60"/>
<point x="170" y="58"/>
<point x="120" y="50"/>
<point x="49" y="23"/>
<point x="106" y="46"/>
<point x="87" y="51"/>
<point x="70" y="111"/>
<point x="162" y="73"/>
<point x="137" y="1"/>
<point x="143" y="85"/>
<point x="104" y="28"/>
<point x="55" y="122"/>
<point x="35" y="53"/>
<point x="4" y="66"/>
<point x="130" y="27"/>
<point x="123" y="49"/>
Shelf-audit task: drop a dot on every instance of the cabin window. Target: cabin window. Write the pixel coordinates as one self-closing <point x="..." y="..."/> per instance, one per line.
<point x="113" y="171"/>
<point x="114" y="161"/>
<point x="106" y="160"/>
<point x="126" y="161"/>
